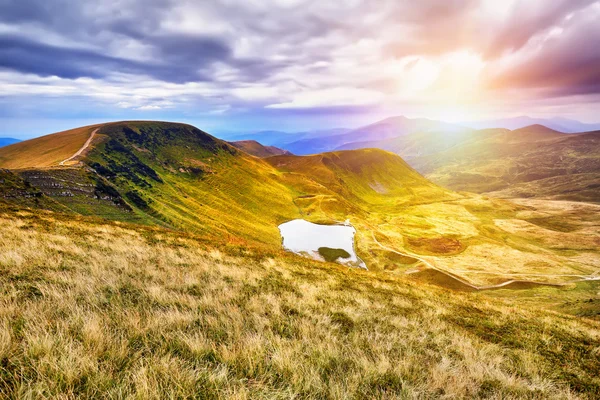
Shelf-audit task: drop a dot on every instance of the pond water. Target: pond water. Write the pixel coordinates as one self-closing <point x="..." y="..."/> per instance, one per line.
<point x="320" y="241"/>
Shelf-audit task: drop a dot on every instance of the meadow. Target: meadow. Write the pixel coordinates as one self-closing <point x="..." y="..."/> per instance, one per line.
<point x="178" y="177"/>
<point x="98" y="309"/>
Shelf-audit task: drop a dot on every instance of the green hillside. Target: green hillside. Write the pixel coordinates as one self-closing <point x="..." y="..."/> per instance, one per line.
<point x="534" y="161"/>
<point x="90" y="308"/>
<point x="528" y="162"/>
<point x="187" y="179"/>
<point x="179" y="177"/>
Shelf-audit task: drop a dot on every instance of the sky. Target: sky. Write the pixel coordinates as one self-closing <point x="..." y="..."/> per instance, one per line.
<point x="293" y="65"/>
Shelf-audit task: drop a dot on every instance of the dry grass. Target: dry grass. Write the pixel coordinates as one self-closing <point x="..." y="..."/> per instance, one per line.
<point x="528" y="162"/>
<point x="45" y="151"/>
<point x="98" y="310"/>
<point x="488" y="241"/>
<point x="176" y="176"/>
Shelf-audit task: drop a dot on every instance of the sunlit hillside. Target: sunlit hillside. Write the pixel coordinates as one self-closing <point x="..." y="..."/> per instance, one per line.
<point x="45" y="151"/>
<point x="529" y="162"/>
<point x="176" y="176"/>
<point x="299" y="199"/>
<point x="254" y="148"/>
<point x="96" y="309"/>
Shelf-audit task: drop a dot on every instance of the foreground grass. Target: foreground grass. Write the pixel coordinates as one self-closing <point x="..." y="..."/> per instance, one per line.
<point x="98" y="310"/>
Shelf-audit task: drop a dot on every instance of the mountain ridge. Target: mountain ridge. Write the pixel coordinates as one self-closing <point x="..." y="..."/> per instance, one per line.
<point x="557" y="123"/>
<point x="256" y="149"/>
<point x="384" y="129"/>
<point x="178" y="177"/>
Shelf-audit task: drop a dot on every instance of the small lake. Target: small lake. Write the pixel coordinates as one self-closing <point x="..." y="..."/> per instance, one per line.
<point x="321" y="242"/>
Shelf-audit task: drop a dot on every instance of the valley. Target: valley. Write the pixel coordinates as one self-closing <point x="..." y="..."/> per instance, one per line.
<point x="161" y="249"/>
<point x="530" y="161"/>
<point x="299" y="200"/>
<point x="178" y="177"/>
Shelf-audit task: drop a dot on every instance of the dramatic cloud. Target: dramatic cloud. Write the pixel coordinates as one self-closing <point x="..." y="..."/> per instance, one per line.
<point x="564" y="60"/>
<point x="41" y="59"/>
<point x="436" y="58"/>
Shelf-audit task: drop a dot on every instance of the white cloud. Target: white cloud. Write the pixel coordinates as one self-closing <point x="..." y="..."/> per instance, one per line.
<point x="293" y="54"/>
<point x="331" y="98"/>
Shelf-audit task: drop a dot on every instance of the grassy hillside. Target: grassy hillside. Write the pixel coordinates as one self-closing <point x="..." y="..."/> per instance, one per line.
<point x="45" y="151"/>
<point x="17" y="192"/>
<point x="178" y="177"/>
<point x="405" y="223"/>
<point x="530" y="162"/>
<point x="256" y="149"/>
<point x="95" y="309"/>
<point x="366" y="177"/>
<point x="534" y="161"/>
<point x="187" y="179"/>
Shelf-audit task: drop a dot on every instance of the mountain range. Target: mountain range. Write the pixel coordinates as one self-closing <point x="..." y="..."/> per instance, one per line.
<point x="557" y="123"/>
<point x="142" y="254"/>
<point x="312" y="142"/>
<point x="534" y="161"/>
<point x="178" y="177"/>
<point x="530" y="161"/>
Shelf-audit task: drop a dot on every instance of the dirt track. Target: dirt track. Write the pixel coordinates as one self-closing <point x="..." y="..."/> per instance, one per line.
<point x="82" y="149"/>
<point x="488" y="287"/>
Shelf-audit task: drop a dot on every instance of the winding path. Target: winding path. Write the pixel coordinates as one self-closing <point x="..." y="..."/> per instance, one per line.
<point x="592" y="277"/>
<point x="82" y="149"/>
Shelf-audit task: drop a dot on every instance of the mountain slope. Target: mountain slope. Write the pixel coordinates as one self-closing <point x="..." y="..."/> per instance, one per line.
<point x="415" y="144"/>
<point x="256" y="149"/>
<point x="501" y="159"/>
<point x="45" y="151"/>
<point x="162" y="174"/>
<point x="188" y="179"/>
<point x="369" y="176"/>
<point x="397" y="126"/>
<point x="178" y="177"/>
<point x="90" y="308"/>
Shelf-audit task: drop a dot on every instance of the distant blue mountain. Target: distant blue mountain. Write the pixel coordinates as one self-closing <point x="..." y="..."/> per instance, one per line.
<point x="6" y="141"/>
<point x="558" y="124"/>
<point x="386" y="129"/>
<point x="420" y="135"/>
<point x="284" y="139"/>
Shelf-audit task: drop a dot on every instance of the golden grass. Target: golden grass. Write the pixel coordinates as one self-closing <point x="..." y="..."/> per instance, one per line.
<point x="100" y="310"/>
<point x="176" y="176"/>
<point x="45" y="151"/>
<point x="529" y="162"/>
<point x="488" y="241"/>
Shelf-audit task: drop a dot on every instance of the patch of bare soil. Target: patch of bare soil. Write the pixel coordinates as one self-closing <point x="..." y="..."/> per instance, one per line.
<point x="439" y="245"/>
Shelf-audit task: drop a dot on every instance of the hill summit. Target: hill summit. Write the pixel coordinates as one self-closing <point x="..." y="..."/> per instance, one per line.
<point x="176" y="175"/>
